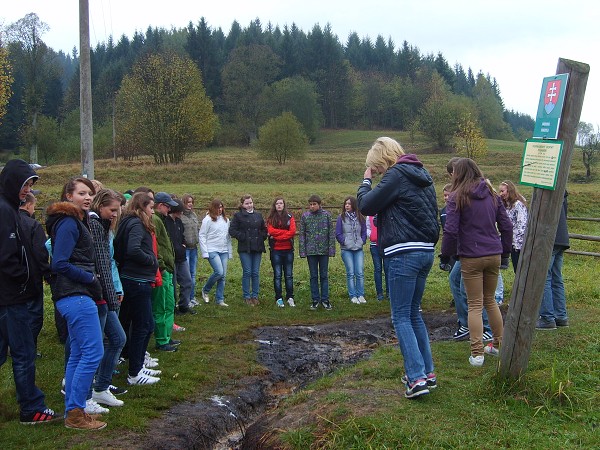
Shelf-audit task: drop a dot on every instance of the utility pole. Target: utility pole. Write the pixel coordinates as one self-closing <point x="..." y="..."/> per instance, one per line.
<point x="85" y="92"/>
<point x="544" y="213"/>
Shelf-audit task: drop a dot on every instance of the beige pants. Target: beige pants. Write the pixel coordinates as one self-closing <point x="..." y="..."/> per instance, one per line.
<point x="480" y="276"/>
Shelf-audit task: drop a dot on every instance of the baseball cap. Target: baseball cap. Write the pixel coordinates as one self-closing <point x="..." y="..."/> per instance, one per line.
<point x="163" y="197"/>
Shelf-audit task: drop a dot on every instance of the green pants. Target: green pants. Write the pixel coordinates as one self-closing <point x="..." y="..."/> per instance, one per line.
<point x="163" y="309"/>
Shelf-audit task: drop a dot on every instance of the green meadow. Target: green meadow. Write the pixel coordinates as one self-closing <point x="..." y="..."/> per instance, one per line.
<point x="555" y="404"/>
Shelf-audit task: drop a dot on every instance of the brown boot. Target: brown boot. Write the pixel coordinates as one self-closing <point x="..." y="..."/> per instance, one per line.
<point x="78" y="419"/>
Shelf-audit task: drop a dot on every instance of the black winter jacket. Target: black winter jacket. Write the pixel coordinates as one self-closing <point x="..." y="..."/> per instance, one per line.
<point x="133" y="250"/>
<point x="250" y="231"/>
<point x="39" y="266"/>
<point x="14" y="256"/>
<point x="406" y="207"/>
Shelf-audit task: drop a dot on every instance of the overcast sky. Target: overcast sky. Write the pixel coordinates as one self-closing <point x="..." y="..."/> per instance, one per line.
<point x="516" y="41"/>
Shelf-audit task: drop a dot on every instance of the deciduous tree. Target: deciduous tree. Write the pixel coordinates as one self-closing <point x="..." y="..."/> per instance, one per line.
<point x="163" y="110"/>
<point x="471" y="142"/>
<point x="282" y="138"/>
<point x="5" y="80"/>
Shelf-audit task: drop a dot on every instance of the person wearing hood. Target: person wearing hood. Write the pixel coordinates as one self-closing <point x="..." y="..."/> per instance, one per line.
<point x="16" y="181"/>
<point x="406" y="207"/>
<point x="474" y="216"/>
<point x="75" y="292"/>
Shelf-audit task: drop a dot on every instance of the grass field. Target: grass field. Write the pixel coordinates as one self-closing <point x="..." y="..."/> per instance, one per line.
<point x="556" y="404"/>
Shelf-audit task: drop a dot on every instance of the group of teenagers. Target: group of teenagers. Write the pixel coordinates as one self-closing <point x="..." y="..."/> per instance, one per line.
<point x="116" y="260"/>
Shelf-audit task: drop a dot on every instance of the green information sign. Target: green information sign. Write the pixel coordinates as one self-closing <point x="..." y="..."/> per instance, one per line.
<point x="552" y="99"/>
<point x="541" y="159"/>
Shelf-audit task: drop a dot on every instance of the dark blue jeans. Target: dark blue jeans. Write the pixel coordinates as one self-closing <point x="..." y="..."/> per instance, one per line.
<point x="457" y="287"/>
<point x="137" y="303"/>
<point x="318" y="266"/>
<point x="377" y="271"/>
<point x="407" y="276"/>
<point x="15" y="332"/>
<point x="36" y="313"/>
<point x="283" y="263"/>
<point x="112" y="350"/>
<point x="250" y="273"/>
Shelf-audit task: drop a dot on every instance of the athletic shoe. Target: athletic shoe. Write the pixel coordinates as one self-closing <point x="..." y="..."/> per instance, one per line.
<point x="491" y="350"/>
<point x="185" y="310"/>
<point x="431" y="381"/>
<point x="355" y="300"/>
<point x="255" y="301"/>
<point x="106" y="398"/>
<point x="562" y="322"/>
<point x="326" y="305"/>
<point x="291" y="302"/>
<point x="152" y="373"/>
<point x="121" y="361"/>
<point x="499" y="301"/>
<point x="178" y="328"/>
<point x="193" y="302"/>
<point x="141" y="379"/>
<point x="166" y="348"/>
<point x="174" y="342"/>
<point x="222" y="304"/>
<point x="92" y="407"/>
<point x="148" y="355"/>
<point x="476" y="361"/>
<point x="62" y="387"/>
<point x="361" y="299"/>
<point x="37" y="417"/>
<point x="543" y="324"/>
<point x="416" y="389"/>
<point x="205" y="297"/>
<point x="115" y="390"/>
<point x="149" y="363"/>
<point x="249" y="301"/>
<point x="461" y="333"/>
<point x="280" y="303"/>
<point x="487" y="336"/>
<point x="315" y="305"/>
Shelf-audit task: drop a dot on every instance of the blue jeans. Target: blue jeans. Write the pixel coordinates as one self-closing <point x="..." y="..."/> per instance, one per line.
<point x="377" y="271"/>
<point x="15" y="332"/>
<point x="116" y="340"/>
<point x="554" y="302"/>
<point x="457" y="287"/>
<point x="85" y="338"/>
<point x="283" y="264"/>
<point x="36" y="315"/>
<point x="184" y="279"/>
<point x="354" y="260"/>
<point x="137" y="305"/>
<point x="191" y="255"/>
<point x="499" y="294"/>
<point x="218" y="262"/>
<point x="250" y="273"/>
<point x="408" y="274"/>
<point x="318" y="266"/>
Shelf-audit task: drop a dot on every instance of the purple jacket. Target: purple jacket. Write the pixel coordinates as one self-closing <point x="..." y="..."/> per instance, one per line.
<point x="471" y="232"/>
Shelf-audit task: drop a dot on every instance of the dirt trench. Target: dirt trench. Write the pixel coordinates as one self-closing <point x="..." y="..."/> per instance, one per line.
<point x="293" y="356"/>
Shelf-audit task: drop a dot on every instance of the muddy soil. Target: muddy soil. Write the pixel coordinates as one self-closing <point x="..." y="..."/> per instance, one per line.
<point x="293" y="356"/>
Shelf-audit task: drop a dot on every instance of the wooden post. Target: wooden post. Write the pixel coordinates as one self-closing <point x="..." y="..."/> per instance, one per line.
<point x="541" y="230"/>
<point x="85" y="92"/>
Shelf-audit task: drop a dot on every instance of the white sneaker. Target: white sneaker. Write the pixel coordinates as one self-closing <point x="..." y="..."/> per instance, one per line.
<point x="476" y="361"/>
<point x="222" y="304"/>
<point x="491" y="350"/>
<point x="151" y="372"/>
<point x="291" y="302"/>
<point x="106" y="398"/>
<point x="91" y="407"/>
<point x="361" y="299"/>
<point x="193" y="302"/>
<point x="205" y="297"/>
<point x="141" y="379"/>
<point x="355" y="300"/>
<point x="147" y="355"/>
<point x="149" y="363"/>
<point x="62" y="387"/>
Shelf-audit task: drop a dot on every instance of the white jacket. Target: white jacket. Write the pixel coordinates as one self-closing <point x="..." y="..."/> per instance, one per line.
<point x="214" y="236"/>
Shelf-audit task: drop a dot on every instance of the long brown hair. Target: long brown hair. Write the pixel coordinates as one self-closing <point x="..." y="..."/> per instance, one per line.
<point x="213" y="210"/>
<point x="137" y="207"/>
<point x="277" y="219"/>
<point x="466" y="174"/>
<point x="513" y="194"/>
<point x="69" y="187"/>
<point x="354" y="206"/>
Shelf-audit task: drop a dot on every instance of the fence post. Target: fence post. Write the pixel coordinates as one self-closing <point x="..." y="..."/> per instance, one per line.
<point x="541" y="230"/>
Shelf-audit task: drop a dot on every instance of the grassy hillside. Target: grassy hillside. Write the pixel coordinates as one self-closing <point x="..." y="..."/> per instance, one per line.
<point x="554" y="405"/>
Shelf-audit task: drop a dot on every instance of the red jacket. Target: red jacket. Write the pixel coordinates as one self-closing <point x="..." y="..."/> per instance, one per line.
<point x="283" y="238"/>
